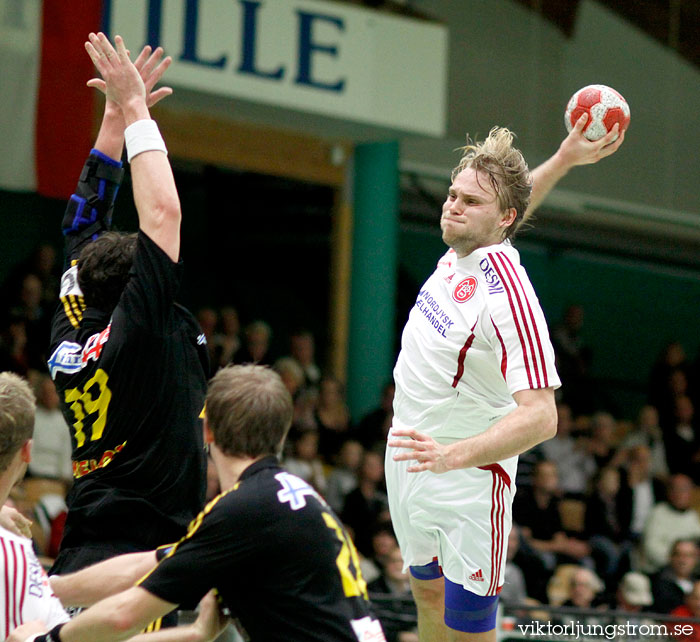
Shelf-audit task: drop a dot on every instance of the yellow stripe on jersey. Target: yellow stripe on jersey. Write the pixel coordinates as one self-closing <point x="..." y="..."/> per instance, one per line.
<point x="154" y="626"/>
<point x="69" y="311"/>
<point x="193" y="527"/>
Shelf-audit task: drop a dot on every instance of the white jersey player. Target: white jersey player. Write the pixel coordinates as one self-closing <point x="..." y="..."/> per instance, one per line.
<point x="28" y="594"/>
<point x="475" y="384"/>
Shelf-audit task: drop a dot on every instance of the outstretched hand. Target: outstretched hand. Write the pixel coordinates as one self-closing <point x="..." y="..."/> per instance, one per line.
<point x="576" y="149"/>
<point x="122" y="81"/>
<point x="151" y="66"/>
<point x="210" y="622"/>
<point x="428" y="453"/>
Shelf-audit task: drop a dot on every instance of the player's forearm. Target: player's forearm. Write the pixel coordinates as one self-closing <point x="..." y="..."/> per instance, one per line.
<point x="544" y="178"/>
<point x="518" y="431"/>
<point x="96" y="582"/>
<point x="110" y="138"/>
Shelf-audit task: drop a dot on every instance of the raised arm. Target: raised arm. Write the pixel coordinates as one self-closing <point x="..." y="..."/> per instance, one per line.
<point x="574" y="150"/>
<point x="155" y="195"/>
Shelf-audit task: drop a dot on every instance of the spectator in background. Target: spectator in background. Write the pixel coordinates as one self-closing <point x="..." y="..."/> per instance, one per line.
<point x="332" y="417"/>
<point x="302" y="347"/>
<point x="343" y="477"/>
<point x="574" y="361"/>
<point x="681" y="436"/>
<point x="514" y="591"/>
<point x="16" y="353"/>
<point x="602" y="444"/>
<point x="670" y="359"/>
<point x="675" y="580"/>
<point x="585" y="589"/>
<point x="367" y="505"/>
<point x="647" y="432"/>
<point x="51" y="451"/>
<point x="639" y="491"/>
<point x="291" y="374"/>
<point x="575" y="464"/>
<point x="690" y="608"/>
<point x="396" y="615"/>
<point x="606" y="526"/>
<point x="374" y="427"/>
<point x="227" y="342"/>
<point x="667" y="522"/>
<point x="537" y="513"/>
<point x="256" y="344"/>
<point x="303" y="460"/>
<point x="633" y="593"/>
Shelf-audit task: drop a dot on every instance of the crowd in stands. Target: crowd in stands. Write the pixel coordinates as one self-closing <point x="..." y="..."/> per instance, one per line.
<point x="605" y="516"/>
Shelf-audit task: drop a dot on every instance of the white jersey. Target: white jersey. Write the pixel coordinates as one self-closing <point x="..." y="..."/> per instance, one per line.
<point x="26" y="589"/>
<point x="475" y="336"/>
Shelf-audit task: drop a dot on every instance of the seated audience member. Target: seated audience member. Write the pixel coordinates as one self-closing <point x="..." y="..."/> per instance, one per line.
<point x="256" y="345"/>
<point x="690" y="608"/>
<point x="536" y="511"/>
<point x="602" y="444"/>
<point x="575" y="464"/>
<point x="647" y="432"/>
<point x="343" y="477"/>
<point x="606" y="525"/>
<point x="633" y="593"/>
<point x="396" y="615"/>
<point x="303" y="460"/>
<point x="374" y="427"/>
<point x="367" y="505"/>
<point x="681" y="437"/>
<point x="639" y="491"/>
<point x="302" y="348"/>
<point x="667" y="522"/>
<point x="675" y="580"/>
<point x="514" y="591"/>
<point x="332" y="418"/>
<point x="51" y="450"/>
<point x="291" y="373"/>
<point x="227" y="342"/>
<point x="585" y="589"/>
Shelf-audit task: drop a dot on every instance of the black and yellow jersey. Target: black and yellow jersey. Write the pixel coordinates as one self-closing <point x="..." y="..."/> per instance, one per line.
<point x="279" y="558"/>
<point x="132" y="385"/>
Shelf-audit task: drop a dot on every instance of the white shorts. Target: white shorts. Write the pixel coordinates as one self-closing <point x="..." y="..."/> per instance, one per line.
<point x="462" y="518"/>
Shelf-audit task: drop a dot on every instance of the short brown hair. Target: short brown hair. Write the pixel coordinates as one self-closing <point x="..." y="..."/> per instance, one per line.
<point x="506" y="169"/>
<point x="103" y="269"/>
<point x="17" y="408"/>
<point x="249" y="410"/>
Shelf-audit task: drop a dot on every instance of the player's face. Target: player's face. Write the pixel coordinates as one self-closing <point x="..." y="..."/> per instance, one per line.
<point x="471" y="216"/>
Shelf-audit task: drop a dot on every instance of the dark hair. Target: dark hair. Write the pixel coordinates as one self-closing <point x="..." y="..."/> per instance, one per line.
<point x="17" y="407"/>
<point x="249" y="410"/>
<point x="103" y="269"/>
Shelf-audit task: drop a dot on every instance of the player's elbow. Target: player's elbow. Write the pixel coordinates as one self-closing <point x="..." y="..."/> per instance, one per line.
<point x="548" y="422"/>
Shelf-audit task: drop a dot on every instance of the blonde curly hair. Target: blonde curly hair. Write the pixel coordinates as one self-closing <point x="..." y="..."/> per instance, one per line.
<point x="506" y="169"/>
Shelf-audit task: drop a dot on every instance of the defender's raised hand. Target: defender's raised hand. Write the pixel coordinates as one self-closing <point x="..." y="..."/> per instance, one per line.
<point x="123" y="83"/>
<point x="151" y="65"/>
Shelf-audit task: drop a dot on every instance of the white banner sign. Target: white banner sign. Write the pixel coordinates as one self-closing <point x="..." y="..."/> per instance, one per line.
<point x="323" y="57"/>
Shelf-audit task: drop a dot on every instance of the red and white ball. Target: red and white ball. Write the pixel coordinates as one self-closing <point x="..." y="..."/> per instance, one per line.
<point x="604" y="106"/>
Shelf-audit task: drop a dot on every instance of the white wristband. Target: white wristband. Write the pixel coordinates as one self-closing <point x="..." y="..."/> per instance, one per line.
<point x="143" y="136"/>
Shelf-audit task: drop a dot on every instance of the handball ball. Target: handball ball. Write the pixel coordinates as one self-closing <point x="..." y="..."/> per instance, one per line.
<point x="604" y="107"/>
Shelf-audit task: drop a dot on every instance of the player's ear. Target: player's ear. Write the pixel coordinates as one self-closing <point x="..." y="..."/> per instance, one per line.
<point x="26" y="451"/>
<point x="508" y="217"/>
<point x="208" y="434"/>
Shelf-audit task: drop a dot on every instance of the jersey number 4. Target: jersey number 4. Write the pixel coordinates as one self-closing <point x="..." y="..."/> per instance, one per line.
<point x="354" y="584"/>
<point x="92" y="400"/>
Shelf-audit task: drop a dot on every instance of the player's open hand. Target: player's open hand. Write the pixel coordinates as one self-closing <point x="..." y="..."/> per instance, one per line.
<point x="423" y="449"/>
<point x="210" y="622"/>
<point x="123" y="82"/>
<point x="576" y="149"/>
<point x="27" y="630"/>
<point x="151" y="66"/>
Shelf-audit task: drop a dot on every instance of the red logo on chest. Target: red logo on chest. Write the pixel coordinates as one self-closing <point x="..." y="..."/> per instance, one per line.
<point x="465" y="290"/>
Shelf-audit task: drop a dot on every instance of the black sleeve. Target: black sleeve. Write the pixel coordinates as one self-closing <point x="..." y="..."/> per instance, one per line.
<point x="192" y="566"/>
<point x="89" y="210"/>
<point x="147" y="302"/>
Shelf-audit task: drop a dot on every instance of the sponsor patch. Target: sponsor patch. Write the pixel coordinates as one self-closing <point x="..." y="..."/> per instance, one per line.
<point x="66" y="358"/>
<point x="464" y="290"/>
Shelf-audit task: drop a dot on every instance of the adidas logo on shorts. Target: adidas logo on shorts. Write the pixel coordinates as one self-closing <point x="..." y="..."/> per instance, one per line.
<point x="477" y="577"/>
